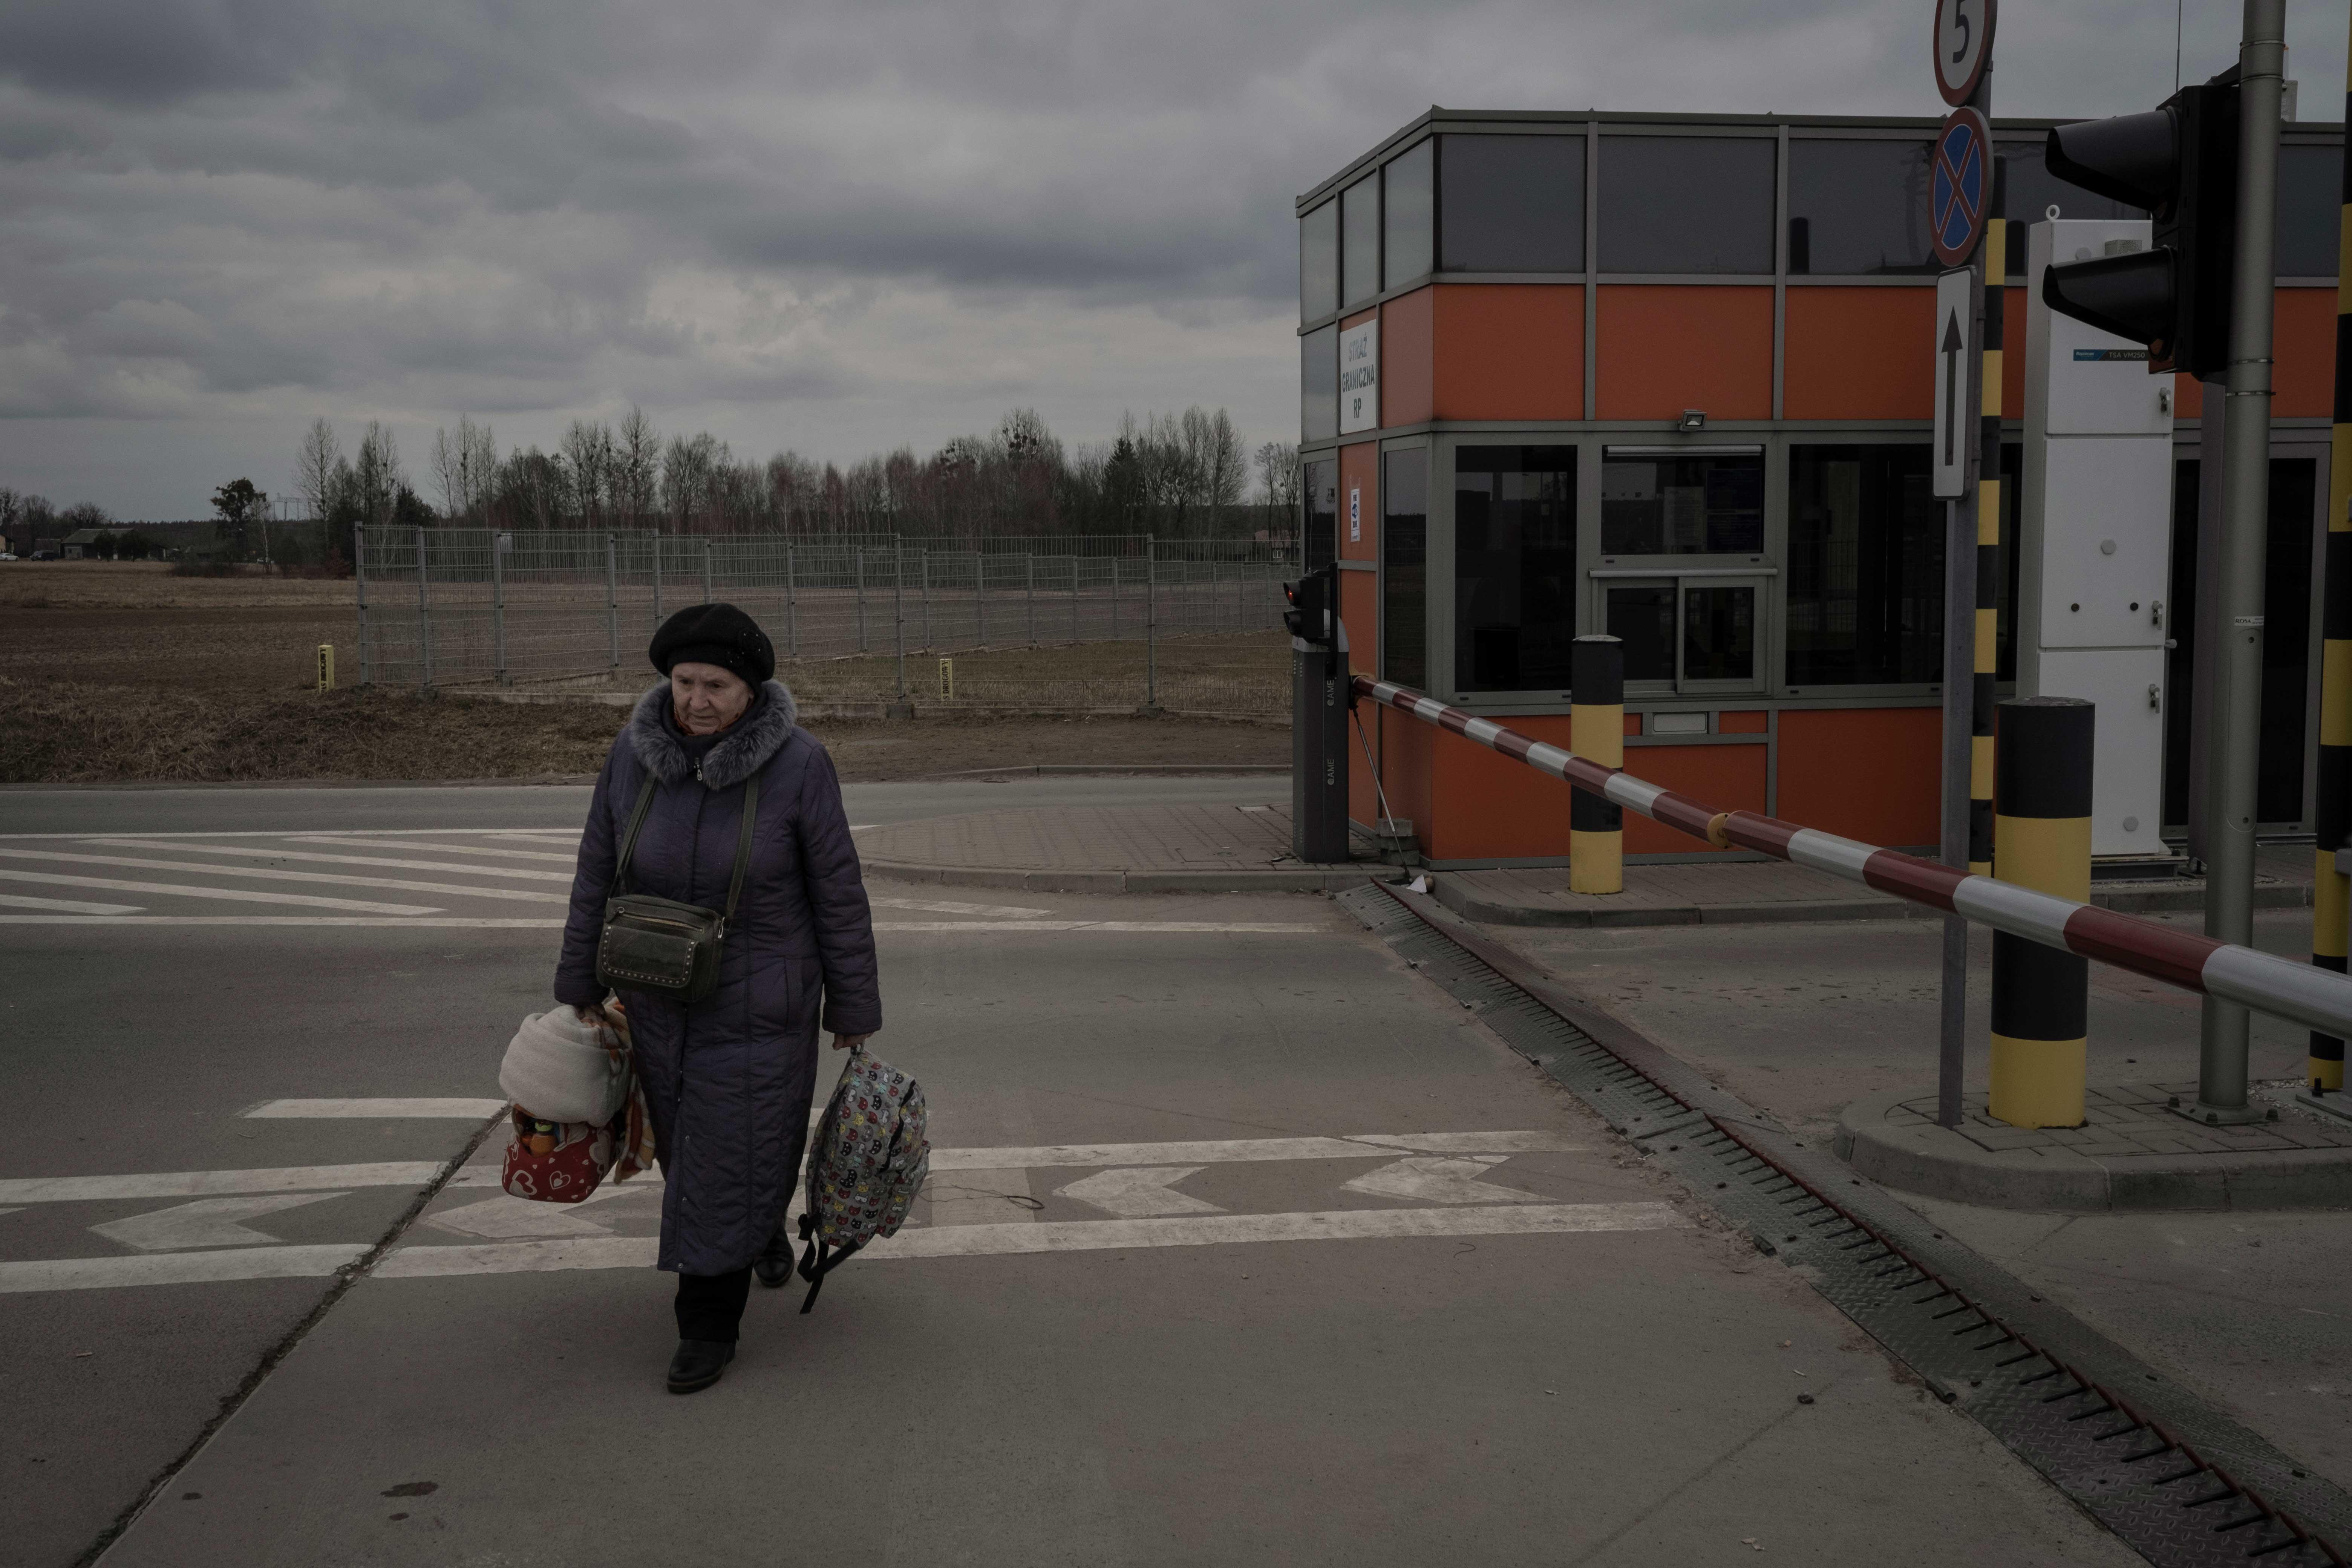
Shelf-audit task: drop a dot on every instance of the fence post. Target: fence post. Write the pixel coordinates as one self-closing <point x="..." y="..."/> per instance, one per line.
<point x="925" y="560"/>
<point x="498" y="606"/>
<point x="359" y="573"/>
<point x="657" y="566"/>
<point x="706" y="571"/>
<point x="1151" y="624"/>
<point x="792" y="614"/>
<point x="424" y="617"/>
<point x="861" y="598"/>
<point x="1074" y="599"/>
<point x="1029" y="579"/>
<point x="980" y="595"/>
<point x="613" y="601"/>
<point x="2041" y="839"/>
<point x="1596" y="732"/>
<point x="899" y="606"/>
<point x="1114" y="595"/>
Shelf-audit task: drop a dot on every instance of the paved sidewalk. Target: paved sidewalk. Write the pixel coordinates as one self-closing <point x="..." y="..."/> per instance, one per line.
<point x="2132" y="1152"/>
<point x="1232" y="848"/>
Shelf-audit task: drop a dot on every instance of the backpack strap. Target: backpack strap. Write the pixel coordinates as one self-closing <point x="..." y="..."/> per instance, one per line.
<point x="819" y="1261"/>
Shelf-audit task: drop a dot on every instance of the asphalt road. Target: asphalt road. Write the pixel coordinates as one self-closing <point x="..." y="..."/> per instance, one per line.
<point x="1245" y="1244"/>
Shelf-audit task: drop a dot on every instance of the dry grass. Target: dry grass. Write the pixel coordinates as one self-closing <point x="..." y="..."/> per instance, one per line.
<point x="150" y="585"/>
<point x="72" y="734"/>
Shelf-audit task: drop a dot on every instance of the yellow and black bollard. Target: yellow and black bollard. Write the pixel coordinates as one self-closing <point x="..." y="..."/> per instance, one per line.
<point x="1988" y="638"/>
<point x="1596" y="732"/>
<point x="2042" y="839"/>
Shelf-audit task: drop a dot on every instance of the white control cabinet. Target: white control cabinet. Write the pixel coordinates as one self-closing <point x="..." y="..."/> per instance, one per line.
<point x="2095" y="521"/>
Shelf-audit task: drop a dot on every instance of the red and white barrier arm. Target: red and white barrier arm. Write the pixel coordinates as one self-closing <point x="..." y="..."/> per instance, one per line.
<point x="2315" y="998"/>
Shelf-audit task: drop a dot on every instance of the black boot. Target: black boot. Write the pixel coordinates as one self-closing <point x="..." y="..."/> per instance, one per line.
<point x="775" y="1264"/>
<point x="699" y="1363"/>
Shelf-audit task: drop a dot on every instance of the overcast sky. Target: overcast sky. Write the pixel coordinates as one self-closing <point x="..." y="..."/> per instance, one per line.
<point x="833" y="227"/>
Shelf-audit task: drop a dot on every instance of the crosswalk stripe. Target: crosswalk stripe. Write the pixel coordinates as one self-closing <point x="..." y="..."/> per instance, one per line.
<point x="272" y="854"/>
<point x="179" y="890"/>
<point x="266" y="874"/>
<point x="359" y="843"/>
<point x="179" y="1267"/>
<point x="65" y="906"/>
<point x="949" y="906"/>
<point x="407" y="1109"/>
<point x="211" y="1183"/>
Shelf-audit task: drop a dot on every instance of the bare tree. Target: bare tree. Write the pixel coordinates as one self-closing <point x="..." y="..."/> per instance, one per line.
<point x="314" y="467"/>
<point x="590" y="457"/>
<point x="463" y="465"/>
<point x="689" y="466"/>
<point x="1277" y="477"/>
<point x="377" y="475"/>
<point x="638" y="468"/>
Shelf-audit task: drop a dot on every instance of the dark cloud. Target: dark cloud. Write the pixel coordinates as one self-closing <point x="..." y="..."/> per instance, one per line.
<point x="838" y="226"/>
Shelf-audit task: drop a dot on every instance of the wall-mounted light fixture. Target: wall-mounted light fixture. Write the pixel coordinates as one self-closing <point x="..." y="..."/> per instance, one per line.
<point x="1693" y="419"/>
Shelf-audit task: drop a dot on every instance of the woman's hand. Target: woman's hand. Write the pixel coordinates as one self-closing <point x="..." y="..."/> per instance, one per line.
<point x="850" y="1042"/>
<point x="594" y="1014"/>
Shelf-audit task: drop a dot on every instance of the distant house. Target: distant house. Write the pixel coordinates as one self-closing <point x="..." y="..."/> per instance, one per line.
<point x="81" y="544"/>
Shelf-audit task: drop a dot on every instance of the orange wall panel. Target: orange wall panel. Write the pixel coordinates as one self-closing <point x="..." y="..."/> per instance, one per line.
<point x="1403" y="746"/>
<point x="1359" y="486"/>
<point x="1509" y="351"/>
<point x="1489" y="806"/>
<point x="1405" y="358"/>
<point x="1664" y="348"/>
<point x="1865" y="773"/>
<point x="1859" y="353"/>
<point x="1728" y="778"/>
<point x="2013" y="355"/>
<point x="2303" y="343"/>
<point x="1751" y="723"/>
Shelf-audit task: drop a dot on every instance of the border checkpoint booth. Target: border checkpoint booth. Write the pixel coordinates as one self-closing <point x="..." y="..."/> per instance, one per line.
<point x="1670" y="377"/>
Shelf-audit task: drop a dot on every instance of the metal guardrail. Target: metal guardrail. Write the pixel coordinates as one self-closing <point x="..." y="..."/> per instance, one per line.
<point x="2284" y="988"/>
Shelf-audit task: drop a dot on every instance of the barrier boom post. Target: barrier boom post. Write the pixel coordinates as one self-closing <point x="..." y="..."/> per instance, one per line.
<point x="2042" y="839"/>
<point x="1596" y="728"/>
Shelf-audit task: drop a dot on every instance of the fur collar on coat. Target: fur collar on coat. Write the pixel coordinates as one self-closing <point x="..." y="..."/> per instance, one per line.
<point x="738" y="753"/>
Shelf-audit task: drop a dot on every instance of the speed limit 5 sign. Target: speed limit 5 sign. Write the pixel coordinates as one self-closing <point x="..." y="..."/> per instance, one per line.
<point x="1963" y="46"/>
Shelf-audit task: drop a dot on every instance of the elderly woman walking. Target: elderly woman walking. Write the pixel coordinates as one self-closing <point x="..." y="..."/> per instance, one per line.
<point x="727" y="1078"/>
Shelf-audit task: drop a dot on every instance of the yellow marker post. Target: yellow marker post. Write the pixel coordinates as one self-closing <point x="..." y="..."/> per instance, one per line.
<point x="2042" y="839"/>
<point x="946" y="681"/>
<point x="1596" y="732"/>
<point x="326" y="667"/>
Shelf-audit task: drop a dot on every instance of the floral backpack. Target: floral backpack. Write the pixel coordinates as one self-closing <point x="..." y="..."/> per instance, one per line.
<point x="871" y="1153"/>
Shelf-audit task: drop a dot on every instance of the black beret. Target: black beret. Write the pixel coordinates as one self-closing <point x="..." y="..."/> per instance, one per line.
<point x="715" y="634"/>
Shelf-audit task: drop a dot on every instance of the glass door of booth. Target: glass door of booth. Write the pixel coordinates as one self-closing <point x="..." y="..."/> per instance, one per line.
<point x="1694" y="633"/>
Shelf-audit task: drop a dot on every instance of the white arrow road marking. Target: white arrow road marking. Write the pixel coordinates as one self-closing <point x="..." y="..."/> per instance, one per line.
<point x="18" y="1209"/>
<point x="199" y="1184"/>
<point x="264" y="873"/>
<point x="314" y="1109"/>
<point x="183" y="890"/>
<point x="504" y="1219"/>
<point x="208" y="1222"/>
<point x="1440" y="1181"/>
<point x="1134" y="1193"/>
<point x="949" y="906"/>
<point x="64" y="906"/>
<point x="181" y="1268"/>
<point x="266" y="853"/>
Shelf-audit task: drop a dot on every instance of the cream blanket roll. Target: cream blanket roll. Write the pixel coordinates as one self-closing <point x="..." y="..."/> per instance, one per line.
<point x="560" y="1069"/>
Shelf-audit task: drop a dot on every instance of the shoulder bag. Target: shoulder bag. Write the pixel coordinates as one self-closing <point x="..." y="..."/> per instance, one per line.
<point x="660" y="944"/>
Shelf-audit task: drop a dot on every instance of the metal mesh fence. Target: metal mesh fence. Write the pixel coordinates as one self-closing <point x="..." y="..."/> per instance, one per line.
<point x="1085" y="623"/>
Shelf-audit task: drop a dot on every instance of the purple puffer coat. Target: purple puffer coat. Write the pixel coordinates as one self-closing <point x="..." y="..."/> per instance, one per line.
<point x="729" y="1080"/>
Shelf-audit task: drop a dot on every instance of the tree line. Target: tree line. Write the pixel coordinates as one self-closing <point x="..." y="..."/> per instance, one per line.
<point x="1184" y="475"/>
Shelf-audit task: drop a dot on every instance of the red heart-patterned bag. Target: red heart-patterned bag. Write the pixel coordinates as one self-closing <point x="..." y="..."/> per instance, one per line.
<point x="560" y="1162"/>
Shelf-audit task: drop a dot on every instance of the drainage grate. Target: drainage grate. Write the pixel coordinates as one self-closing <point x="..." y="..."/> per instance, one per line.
<point x="2182" y="1483"/>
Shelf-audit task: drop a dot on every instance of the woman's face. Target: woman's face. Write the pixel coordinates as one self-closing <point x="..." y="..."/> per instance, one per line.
<point x="705" y="697"/>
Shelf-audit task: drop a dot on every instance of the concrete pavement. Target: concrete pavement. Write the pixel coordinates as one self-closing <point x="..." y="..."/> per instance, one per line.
<point x="1482" y="1348"/>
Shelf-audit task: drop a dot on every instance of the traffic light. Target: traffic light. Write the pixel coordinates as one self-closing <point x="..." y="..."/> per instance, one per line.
<point x="2181" y="163"/>
<point x="1307" y="612"/>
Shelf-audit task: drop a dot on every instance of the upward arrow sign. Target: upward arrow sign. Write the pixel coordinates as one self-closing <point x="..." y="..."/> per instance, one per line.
<point x="1953" y="346"/>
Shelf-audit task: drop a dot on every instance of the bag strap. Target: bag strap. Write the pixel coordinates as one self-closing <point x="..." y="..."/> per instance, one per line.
<point x="629" y="838"/>
<point x="820" y="1259"/>
<point x="743" y="844"/>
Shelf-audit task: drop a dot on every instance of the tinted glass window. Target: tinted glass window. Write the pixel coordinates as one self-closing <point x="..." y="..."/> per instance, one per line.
<point x="1404" y="568"/>
<point x="2310" y="209"/>
<point x="1318" y="385"/>
<point x="1686" y="204"/>
<point x="1641" y="616"/>
<point x="1859" y="208"/>
<point x="1410" y="214"/>
<point x="1319" y="262"/>
<point x="1681" y="506"/>
<point x="1865" y="567"/>
<point x="1359" y="240"/>
<point x="1319" y="497"/>
<point x="1514" y="567"/>
<point x="1514" y="204"/>
<point x="1718" y="633"/>
<point x="2027" y="190"/>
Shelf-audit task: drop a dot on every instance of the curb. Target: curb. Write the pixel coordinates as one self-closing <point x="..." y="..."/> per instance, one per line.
<point x="2128" y="900"/>
<point x="1303" y="880"/>
<point x="1923" y="1160"/>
